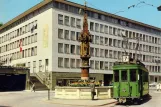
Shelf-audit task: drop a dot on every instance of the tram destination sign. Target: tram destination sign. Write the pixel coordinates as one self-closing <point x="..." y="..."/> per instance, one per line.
<point x="125" y="58"/>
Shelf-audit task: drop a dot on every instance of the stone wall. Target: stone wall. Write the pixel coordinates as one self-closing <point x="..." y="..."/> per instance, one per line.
<point x="83" y="92"/>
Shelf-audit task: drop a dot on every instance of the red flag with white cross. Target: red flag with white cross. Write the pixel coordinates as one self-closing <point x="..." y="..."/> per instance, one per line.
<point x="20" y="45"/>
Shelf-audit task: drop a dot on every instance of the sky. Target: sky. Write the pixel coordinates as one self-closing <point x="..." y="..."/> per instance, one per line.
<point x="143" y="11"/>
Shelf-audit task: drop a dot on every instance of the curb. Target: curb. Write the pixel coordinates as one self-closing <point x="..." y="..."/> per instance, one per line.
<point x="113" y="102"/>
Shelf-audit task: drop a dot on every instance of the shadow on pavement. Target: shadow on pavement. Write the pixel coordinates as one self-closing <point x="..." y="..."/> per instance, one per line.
<point x="5" y="106"/>
<point x="148" y="98"/>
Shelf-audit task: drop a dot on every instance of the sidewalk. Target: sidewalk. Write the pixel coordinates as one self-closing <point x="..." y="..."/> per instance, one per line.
<point x="82" y="102"/>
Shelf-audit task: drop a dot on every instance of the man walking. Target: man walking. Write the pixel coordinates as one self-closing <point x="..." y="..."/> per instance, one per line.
<point x="93" y="93"/>
<point x="33" y="87"/>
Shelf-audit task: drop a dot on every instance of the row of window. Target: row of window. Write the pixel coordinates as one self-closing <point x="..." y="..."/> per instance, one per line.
<point x="104" y="53"/>
<point x="19" y="55"/>
<point x="94" y="64"/>
<point x="153" y="68"/>
<point x="41" y="65"/>
<point x="69" y="21"/>
<point x="120" y="32"/>
<point x="16" y="44"/>
<point x="20" y="31"/>
<point x="68" y="35"/>
<point x="102" y="17"/>
<point x="76" y="63"/>
<point x="72" y="35"/>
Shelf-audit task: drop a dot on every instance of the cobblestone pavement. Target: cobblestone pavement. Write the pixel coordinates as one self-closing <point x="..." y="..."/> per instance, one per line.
<point x="39" y="99"/>
<point x="155" y="101"/>
<point x="26" y="99"/>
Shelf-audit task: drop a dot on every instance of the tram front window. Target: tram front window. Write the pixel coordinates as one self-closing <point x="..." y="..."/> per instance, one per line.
<point x="116" y="76"/>
<point x="132" y="75"/>
<point x="124" y="75"/>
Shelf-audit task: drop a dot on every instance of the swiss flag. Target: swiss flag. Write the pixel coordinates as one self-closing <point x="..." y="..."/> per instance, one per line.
<point x="20" y="45"/>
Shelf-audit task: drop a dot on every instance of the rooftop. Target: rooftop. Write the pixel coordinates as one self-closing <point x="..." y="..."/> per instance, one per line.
<point x="43" y="3"/>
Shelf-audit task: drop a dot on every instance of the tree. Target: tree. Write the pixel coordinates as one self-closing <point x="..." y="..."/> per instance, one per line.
<point x="1" y="24"/>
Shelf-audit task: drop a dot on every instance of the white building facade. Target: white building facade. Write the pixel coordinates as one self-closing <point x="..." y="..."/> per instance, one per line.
<point x="48" y="37"/>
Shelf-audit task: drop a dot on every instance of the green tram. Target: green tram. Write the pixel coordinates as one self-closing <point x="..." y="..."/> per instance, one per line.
<point x="130" y="81"/>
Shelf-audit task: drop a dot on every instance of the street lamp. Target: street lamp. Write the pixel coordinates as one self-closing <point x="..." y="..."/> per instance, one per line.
<point x="159" y="8"/>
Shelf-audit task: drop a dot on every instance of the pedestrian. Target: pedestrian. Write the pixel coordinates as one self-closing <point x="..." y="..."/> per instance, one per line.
<point x="33" y="87"/>
<point x="93" y="93"/>
<point x="102" y="83"/>
<point x="158" y="86"/>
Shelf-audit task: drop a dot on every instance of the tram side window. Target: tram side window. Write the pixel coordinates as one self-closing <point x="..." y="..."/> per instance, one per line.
<point x="116" y="75"/>
<point x="132" y="75"/>
<point x="124" y="75"/>
<point x="145" y="77"/>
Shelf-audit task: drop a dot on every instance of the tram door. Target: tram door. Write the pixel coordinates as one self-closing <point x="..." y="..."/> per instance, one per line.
<point x="124" y="84"/>
<point x="116" y="83"/>
<point x="133" y="83"/>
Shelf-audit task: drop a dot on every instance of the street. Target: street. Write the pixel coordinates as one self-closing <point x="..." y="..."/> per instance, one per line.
<point x="155" y="101"/>
<point x="39" y="98"/>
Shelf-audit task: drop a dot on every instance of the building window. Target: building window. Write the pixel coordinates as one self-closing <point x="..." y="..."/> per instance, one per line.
<point x="35" y="50"/>
<point x="106" y="29"/>
<point x="110" y="65"/>
<point x="78" y="50"/>
<point x="67" y="20"/>
<point x="92" y="64"/>
<point x="91" y="26"/>
<point x="97" y="39"/>
<point x="66" y="34"/>
<point x="96" y="64"/>
<point x="102" y="53"/>
<point x="78" y="63"/>
<point x="29" y="52"/>
<point x="101" y="65"/>
<point x="66" y="62"/>
<point x="110" y="30"/>
<point x="34" y="66"/>
<point x="72" y="63"/>
<point x="92" y="51"/>
<point x="92" y="38"/>
<point x="97" y="52"/>
<point x="66" y="48"/>
<point x="26" y="53"/>
<point x="72" y="35"/>
<point x="72" y="49"/>
<point x="110" y="54"/>
<point x="106" y="65"/>
<point x="78" y="23"/>
<point x="101" y="41"/>
<point x="96" y="27"/>
<point x="32" y="51"/>
<point x="32" y="38"/>
<point x="77" y="35"/>
<point x="60" y="33"/>
<point x="101" y="28"/>
<point x="60" y="62"/>
<point x="106" y="41"/>
<point x="60" y="47"/>
<point x="60" y="19"/>
<point x="72" y="21"/>
<point x="40" y="65"/>
<point x="35" y="37"/>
